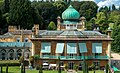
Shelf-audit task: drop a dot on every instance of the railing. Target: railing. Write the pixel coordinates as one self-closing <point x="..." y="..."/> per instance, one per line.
<point x="73" y="57"/>
<point x="15" y="44"/>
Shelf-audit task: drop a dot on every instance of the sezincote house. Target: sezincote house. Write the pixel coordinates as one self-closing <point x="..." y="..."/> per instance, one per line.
<point x="71" y="42"/>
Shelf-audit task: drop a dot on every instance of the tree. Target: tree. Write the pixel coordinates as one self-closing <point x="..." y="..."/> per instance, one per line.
<point x="37" y="19"/>
<point x="114" y="17"/>
<point x="47" y="12"/>
<point x="113" y="7"/>
<point x="21" y="14"/>
<point x="60" y="6"/>
<point x="101" y="20"/>
<point x="51" y="26"/>
<point x="88" y="9"/>
<point x="40" y="69"/>
<point x="3" y="23"/>
<point x="107" y="68"/>
<point x="5" y="7"/>
<point x="116" y="36"/>
<point x="31" y="59"/>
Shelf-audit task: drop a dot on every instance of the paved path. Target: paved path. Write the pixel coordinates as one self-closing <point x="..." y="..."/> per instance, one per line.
<point x="71" y="71"/>
<point x="115" y="56"/>
<point x="115" y="60"/>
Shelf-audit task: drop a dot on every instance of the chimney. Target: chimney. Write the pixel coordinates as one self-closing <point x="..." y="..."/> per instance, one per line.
<point x="12" y="28"/>
<point x="36" y="27"/>
<point x="109" y="32"/>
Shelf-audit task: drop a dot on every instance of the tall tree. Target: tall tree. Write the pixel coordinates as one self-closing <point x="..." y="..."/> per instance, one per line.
<point x="113" y="7"/>
<point x="47" y="11"/>
<point x="116" y="36"/>
<point x="88" y="9"/>
<point x="101" y="20"/>
<point x="5" y="7"/>
<point x="21" y="13"/>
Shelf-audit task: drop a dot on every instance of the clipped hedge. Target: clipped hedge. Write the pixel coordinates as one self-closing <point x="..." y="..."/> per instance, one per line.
<point x="9" y="62"/>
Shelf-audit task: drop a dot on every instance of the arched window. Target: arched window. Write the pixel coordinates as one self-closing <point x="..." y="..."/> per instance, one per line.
<point x="27" y="53"/>
<point x="11" y="54"/>
<point x="19" y="53"/>
<point x="3" y="54"/>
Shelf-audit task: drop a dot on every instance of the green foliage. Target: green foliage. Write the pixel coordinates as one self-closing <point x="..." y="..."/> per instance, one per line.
<point x="7" y="69"/>
<point x="107" y="68"/>
<point x="113" y="7"/>
<point x="21" y="14"/>
<point x="114" y="16"/>
<point x="66" y="67"/>
<point x="47" y="11"/>
<point x="88" y="9"/>
<point x="76" y="67"/>
<point x="9" y="62"/>
<point x="37" y="19"/>
<point x="40" y="69"/>
<point x="5" y="7"/>
<point x="51" y="26"/>
<point x="31" y="59"/>
<point x="60" y="7"/>
<point x="21" y="60"/>
<point x="101" y="20"/>
<point x="116" y="36"/>
<point x="36" y="57"/>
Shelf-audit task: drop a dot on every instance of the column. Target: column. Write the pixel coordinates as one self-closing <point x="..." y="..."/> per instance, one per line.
<point x="33" y="49"/>
<point x="109" y="52"/>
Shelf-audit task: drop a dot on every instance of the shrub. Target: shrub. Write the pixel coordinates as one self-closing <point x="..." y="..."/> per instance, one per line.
<point x="36" y="57"/>
<point x="21" y="59"/>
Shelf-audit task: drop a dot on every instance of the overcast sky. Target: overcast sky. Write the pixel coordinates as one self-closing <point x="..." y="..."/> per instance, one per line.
<point x="101" y="3"/>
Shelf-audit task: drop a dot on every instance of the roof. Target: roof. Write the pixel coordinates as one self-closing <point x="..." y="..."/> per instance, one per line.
<point x="70" y="13"/>
<point x="18" y="32"/>
<point x="7" y="35"/>
<point x="71" y="35"/>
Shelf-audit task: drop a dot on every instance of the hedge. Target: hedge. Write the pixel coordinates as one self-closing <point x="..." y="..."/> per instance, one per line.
<point x="9" y="62"/>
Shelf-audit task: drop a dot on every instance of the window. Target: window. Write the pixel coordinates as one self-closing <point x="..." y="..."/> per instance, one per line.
<point x="18" y="39"/>
<point x="71" y="56"/>
<point x="96" y="63"/>
<point x="26" y="40"/>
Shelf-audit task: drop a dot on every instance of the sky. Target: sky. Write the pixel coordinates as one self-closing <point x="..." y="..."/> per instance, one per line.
<point x="102" y="3"/>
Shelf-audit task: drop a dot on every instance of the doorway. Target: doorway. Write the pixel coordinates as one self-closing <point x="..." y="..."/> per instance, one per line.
<point x="70" y="65"/>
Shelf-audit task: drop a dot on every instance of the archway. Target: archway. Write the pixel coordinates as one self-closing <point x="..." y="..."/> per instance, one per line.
<point x="3" y="54"/>
<point x="11" y="54"/>
<point x="19" y="53"/>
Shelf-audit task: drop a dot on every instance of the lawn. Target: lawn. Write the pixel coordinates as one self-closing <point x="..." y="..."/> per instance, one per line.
<point x="16" y="69"/>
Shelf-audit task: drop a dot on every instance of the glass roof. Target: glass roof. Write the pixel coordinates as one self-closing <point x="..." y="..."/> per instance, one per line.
<point x="73" y="33"/>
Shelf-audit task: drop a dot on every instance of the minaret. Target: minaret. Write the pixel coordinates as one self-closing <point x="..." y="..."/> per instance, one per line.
<point x="82" y="21"/>
<point x="58" y="23"/>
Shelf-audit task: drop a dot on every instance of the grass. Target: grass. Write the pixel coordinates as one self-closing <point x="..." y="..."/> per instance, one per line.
<point x="16" y="69"/>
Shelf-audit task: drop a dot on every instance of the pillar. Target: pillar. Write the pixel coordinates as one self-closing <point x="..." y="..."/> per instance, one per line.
<point x="33" y="49"/>
<point x="109" y="52"/>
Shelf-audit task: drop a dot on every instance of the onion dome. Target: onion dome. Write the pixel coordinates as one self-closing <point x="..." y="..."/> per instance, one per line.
<point x="70" y="13"/>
